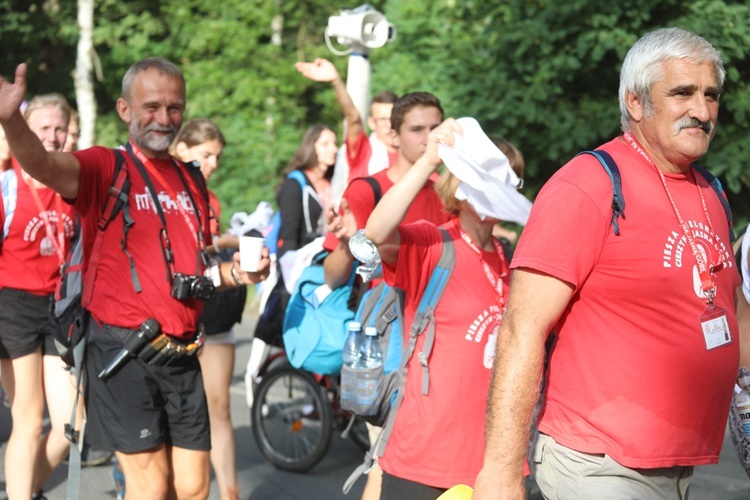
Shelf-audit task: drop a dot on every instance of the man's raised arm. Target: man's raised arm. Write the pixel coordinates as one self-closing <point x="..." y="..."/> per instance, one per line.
<point x="323" y="70"/>
<point x="60" y="171"/>
<point x="535" y="303"/>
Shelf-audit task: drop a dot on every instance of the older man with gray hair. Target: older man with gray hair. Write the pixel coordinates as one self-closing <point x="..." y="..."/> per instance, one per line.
<point x="642" y="333"/>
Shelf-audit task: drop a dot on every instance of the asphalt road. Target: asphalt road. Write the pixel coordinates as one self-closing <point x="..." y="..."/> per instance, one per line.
<point x="260" y="481"/>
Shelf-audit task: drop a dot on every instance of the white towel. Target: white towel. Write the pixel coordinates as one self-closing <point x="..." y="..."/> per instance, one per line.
<point x="488" y="182"/>
<point x="242" y="222"/>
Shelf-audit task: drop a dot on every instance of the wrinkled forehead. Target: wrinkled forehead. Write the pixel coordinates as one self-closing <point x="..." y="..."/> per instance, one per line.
<point x="151" y="83"/>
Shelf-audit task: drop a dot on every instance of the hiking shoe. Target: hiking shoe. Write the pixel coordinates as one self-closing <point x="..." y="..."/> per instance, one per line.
<point x="39" y="495"/>
<point x="119" y="478"/>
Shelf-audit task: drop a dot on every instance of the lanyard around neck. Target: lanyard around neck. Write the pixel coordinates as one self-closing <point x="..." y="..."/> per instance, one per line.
<point x="495" y="281"/>
<point x="706" y="277"/>
<point x="59" y="242"/>
<point x="147" y="169"/>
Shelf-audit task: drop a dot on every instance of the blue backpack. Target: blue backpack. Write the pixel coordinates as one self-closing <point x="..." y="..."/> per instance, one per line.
<point x="382" y="307"/>
<point x="618" y="200"/>
<point x="315" y="322"/>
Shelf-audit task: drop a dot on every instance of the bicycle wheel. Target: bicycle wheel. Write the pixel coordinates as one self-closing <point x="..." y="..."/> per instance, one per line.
<point x="291" y="419"/>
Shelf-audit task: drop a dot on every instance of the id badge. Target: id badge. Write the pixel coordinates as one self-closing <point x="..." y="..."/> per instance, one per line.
<point x="715" y="327"/>
<point x="489" y="348"/>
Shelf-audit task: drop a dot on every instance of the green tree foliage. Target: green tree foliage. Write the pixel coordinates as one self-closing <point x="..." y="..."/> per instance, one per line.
<point x="545" y="74"/>
<point x="542" y="73"/>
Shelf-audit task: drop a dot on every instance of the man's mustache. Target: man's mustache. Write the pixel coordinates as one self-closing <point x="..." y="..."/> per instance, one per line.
<point x="707" y="127"/>
<point x="159" y="128"/>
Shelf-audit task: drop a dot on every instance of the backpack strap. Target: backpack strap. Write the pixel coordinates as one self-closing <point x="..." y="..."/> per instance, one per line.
<point x="75" y="437"/>
<point x="715" y="184"/>
<point x="375" y="185"/>
<point x="300" y="177"/>
<point x="618" y="201"/>
<point x="117" y="199"/>
<point x="425" y="315"/>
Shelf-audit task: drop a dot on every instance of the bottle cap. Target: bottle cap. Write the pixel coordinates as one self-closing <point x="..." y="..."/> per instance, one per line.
<point x="354" y="325"/>
<point x="371" y="331"/>
<point x="744" y="377"/>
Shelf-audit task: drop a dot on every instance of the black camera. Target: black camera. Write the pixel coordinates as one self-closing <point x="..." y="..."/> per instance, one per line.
<point x="192" y="287"/>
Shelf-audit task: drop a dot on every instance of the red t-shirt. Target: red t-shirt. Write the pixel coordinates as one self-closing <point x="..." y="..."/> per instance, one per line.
<point x="438" y="439"/>
<point x="29" y="260"/>
<point x="358" y="155"/>
<point x="630" y="374"/>
<point x="115" y="300"/>
<point x="361" y="198"/>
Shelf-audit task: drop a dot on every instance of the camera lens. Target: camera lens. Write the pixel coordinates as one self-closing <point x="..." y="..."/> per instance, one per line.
<point x="202" y="288"/>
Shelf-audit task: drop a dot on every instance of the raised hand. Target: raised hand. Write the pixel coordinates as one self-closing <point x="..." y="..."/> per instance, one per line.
<point x="342" y="225"/>
<point x="320" y="70"/>
<point x="445" y="133"/>
<point x="11" y="94"/>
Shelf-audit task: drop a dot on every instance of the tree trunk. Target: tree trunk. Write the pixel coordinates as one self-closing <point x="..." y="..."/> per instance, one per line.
<point x="84" y="74"/>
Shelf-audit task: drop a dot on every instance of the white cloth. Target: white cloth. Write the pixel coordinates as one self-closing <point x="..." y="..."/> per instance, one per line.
<point x="488" y="182"/>
<point x="744" y="271"/>
<point x="379" y="156"/>
<point x="293" y="262"/>
<point x="242" y="222"/>
<point x="340" y="176"/>
<point x="267" y="286"/>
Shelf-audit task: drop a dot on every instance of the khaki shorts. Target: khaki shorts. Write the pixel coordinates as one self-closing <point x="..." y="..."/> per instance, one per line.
<point x="563" y="473"/>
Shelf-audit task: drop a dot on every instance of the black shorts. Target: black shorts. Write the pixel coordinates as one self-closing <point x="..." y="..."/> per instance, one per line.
<point x="396" y="488"/>
<point x="141" y="406"/>
<point x="24" y="323"/>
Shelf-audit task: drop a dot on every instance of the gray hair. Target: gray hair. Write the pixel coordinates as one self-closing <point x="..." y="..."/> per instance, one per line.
<point x="53" y="100"/>
<point x="160" y="64"/>
<point x="642" y="67"/>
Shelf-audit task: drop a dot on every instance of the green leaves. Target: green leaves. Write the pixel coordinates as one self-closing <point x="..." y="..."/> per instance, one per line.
<point x="542" y="73"/>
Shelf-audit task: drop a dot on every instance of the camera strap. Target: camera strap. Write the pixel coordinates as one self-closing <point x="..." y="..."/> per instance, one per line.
<point x="144" y="166"/>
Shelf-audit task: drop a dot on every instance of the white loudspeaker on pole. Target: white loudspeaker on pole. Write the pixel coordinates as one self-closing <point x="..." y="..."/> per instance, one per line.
<point x="359" y="30"/>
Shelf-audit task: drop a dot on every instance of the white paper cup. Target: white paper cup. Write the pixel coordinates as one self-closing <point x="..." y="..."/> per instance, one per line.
<point x="250" y="253"/>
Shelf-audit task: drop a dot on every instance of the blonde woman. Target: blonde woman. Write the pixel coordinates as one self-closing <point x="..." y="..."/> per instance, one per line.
<point x="424" y="457"/>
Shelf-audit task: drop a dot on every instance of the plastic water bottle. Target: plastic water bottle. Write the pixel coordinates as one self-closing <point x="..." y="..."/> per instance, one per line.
<point x="742" y="400"/>
<point x="369" y="373"/>
<point x="350" y="356"/>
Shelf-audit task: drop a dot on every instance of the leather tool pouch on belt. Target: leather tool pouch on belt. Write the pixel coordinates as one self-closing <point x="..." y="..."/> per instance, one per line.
<point x="164" y="350"/>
